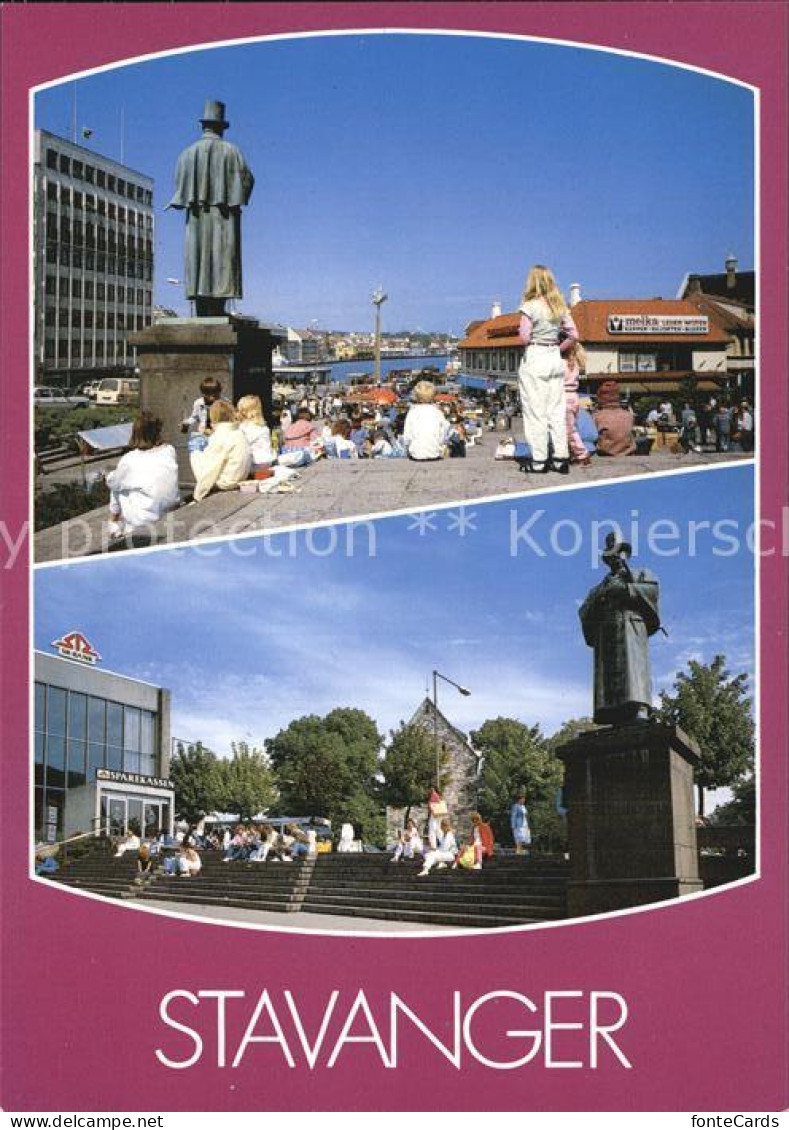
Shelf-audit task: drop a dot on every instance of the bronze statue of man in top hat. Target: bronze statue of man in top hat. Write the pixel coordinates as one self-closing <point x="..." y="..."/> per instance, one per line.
<point x="212" y="183"/>
<point x="618" y="617"/>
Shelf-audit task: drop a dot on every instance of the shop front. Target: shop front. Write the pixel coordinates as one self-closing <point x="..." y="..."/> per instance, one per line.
<point x="101" y="747"/>
<point x="651" y="346"/>
<point x="119" y="803"/>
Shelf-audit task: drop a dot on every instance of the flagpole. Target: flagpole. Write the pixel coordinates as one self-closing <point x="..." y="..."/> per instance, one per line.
<point x="74" y="114"/>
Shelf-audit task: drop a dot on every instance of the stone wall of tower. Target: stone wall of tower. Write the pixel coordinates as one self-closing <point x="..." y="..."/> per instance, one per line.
<point x="459" y="777"/>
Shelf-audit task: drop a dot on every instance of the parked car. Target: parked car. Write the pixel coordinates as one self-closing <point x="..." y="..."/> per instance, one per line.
<point x="118" y="390"/>
<point x="89" y="389"/>
<point x="44" y="397"/>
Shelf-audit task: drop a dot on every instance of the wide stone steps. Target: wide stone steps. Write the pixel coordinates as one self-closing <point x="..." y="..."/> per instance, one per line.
<point x="423" y="897"/>
<point x="469" y="919"/>
<point x="100" y="874"/>
<point x="238" y="900"/>
<point x="507" y="891"/>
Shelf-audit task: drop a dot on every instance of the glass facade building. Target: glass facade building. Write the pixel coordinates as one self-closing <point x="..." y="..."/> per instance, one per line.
<point x="101" y="750"/>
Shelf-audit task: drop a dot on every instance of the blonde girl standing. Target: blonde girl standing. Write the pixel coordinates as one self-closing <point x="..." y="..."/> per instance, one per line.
<point x="575" y="364"/>
<point x="546" y="327"/>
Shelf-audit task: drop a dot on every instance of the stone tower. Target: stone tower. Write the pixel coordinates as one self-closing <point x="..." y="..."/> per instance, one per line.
<point x="459" y="777"/>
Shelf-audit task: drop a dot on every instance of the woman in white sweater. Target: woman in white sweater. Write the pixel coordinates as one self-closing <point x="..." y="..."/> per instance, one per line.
<point x="445" y="852"/>
<point x="144" y="485"/>
<point x="227" y="460"/>
<point x="426" y="428"/>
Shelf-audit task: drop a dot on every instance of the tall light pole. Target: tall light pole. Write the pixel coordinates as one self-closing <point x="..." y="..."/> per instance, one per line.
<point x="378" y="300"/>
<point x="462" y="690"/>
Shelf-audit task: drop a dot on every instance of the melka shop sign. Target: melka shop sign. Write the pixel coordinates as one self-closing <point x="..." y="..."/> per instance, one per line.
<point x="74" y="646"/>
<point x="657" y="324"/>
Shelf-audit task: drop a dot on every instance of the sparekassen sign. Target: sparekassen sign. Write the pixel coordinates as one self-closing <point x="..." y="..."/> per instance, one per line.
<point x="658" y="324"/>
<point x="121" y="778"/>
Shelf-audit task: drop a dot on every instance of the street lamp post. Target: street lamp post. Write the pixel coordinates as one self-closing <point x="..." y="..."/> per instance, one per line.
<point x="378" y="300"/>
<point x="461" y="690"/>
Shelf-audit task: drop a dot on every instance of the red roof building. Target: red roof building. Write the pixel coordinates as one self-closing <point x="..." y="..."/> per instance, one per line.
<point x="648" y="345"/>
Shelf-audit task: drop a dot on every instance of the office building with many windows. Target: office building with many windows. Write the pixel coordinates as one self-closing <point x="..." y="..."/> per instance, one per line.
<point x="93" y="261"/>
<point x="102" y="748"/>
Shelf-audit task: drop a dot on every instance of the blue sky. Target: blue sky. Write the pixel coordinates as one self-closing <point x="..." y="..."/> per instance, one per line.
<point x="441" y="167"/>
<point x="252" y="634"/>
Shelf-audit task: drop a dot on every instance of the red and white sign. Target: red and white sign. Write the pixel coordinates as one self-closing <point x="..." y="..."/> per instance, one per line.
<point x="74" y="646"/>
<point x="658" y="324"/>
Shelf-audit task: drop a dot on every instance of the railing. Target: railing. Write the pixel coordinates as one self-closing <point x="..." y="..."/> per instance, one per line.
<point x="60" y="848"/>
<point x="70" y="447"/>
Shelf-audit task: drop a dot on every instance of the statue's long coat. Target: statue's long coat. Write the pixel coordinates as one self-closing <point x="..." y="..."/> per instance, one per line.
<point x="618" y="617"/>
<point x="212" y="182"/>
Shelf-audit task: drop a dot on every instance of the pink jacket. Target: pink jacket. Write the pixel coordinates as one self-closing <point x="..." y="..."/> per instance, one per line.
<point x="300" y="434"/>
<point x="572" y="375"/>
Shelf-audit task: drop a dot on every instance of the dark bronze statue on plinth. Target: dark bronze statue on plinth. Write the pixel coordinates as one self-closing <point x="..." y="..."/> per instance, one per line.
<point x="628" y="783"/>
<point x="618" y="617"/>
<point x="212" y="183"/>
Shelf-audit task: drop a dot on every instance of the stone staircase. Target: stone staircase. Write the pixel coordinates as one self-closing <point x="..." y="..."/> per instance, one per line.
<point x="509" y="890"/>
<point x="101" y="873"/>
<point x="253" y="886"/>
<point x="247" y="886"/>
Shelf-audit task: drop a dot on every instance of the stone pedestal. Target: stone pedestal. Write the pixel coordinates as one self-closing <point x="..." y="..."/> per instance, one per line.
<point x="176" y="354"/>
<point x="631" y="816"/>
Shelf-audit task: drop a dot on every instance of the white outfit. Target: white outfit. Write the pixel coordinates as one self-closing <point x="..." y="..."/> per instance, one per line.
<point x="445" y="853"/>
<point x="408" y="847"/>
<point x="541" y="383"/>
<point x="197" y="420"/>
<point x="346" y="838"/>
<point x="426" y="432"/>
<point x="190" y="867"/>
<point x="144" y="485"/>
<point x="340" y="444"/>
<point x="433" y="830"/>
<point x="131" y="843"/>
<point x="258" y="436"/>
<point x="224" y="464"/>
<point x="261" y="853"/>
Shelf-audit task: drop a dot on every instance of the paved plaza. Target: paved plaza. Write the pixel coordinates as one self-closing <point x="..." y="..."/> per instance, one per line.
<point x="343" y="489"/>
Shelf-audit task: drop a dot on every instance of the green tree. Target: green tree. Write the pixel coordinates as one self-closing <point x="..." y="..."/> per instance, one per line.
<point x="518" y="758"/>
<point x="741" y="809"/>
<point x="195" y="773"/>
<point x="246" y="782"/>
<point x="715" y="709"/>
<point x="409" y="767"/>
<point x="328" y="766"/>
<point x="569" y="730"/>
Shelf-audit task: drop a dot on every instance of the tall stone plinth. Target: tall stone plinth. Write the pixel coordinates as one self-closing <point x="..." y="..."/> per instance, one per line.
<point x="631" y="816"/>
<point x="176" y="354"/>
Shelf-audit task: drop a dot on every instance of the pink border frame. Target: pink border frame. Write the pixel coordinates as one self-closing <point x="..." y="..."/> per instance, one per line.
<point x="705" y="980"/>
